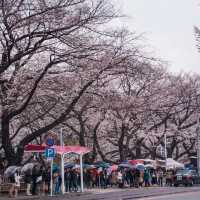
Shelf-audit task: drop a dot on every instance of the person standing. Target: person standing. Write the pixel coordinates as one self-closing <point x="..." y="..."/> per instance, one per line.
<point x="120" y="179"/>
<point x="34" y="176"/>
<point x="27" y="180"/>
<point x="67" y="180"/>
<point x="12" y="188"/>
<point x="58" y="182"/>
<point x="46" y="179"/>
<point x="154" y="178"/>
<point x="137" y="177"/>
<point x="160" y="178"/>
<point x="141" y="179"/>
<point x="15" y="180"/>
<point x="146" y="178"/>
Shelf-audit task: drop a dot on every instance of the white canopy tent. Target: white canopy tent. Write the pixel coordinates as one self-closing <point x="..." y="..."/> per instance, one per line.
<point x="172" y="164"/>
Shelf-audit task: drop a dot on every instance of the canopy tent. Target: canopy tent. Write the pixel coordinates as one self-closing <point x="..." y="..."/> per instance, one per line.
<point x="172" y="164"/>
<point x="59" y="149"/>
<point x="62" y="151"/>
<point x="34" y="148"/>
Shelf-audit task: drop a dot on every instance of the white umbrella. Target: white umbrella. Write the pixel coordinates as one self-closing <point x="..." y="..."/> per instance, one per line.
<point x="11" y="170"/>
<point x="140" y="167"/>
<point x="149" y="166"/>
<point x="76" y="167"/>
<point x="28" y="166"/>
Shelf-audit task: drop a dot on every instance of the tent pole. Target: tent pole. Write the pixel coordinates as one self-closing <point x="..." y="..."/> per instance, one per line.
<point x="62" y="174"/>
<point x="81" y="168"/>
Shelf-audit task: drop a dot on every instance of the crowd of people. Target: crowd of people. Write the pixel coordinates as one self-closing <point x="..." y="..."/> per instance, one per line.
<point x="38" y="180"/>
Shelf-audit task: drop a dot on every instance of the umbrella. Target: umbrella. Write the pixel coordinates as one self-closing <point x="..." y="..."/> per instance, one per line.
<point x="86" y="166"/>
<point x="140" y="167"/>
<point x="125" y="162"/>
<point x="135" y="162"/>
<point x="69" y="165"/>
<point x="28" y="166"/>
<point x="11" y="170"/>
<point x="114" y="168"/>
<point x="102" y="164"/>
<point x="149" y="166"/>
<point x="76" y="167"/>
<point x="126" y="166"/>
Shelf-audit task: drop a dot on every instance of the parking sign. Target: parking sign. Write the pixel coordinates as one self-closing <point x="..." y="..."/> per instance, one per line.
<point x="50" y="153"/>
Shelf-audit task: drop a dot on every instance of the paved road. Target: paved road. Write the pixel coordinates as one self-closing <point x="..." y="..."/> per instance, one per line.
<point x="131" y="194"/>
<point x="183" y="196"/>
<point x="124" y="194"/>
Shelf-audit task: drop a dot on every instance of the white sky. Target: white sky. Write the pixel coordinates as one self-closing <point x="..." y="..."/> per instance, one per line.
<point x="168" y="27"/>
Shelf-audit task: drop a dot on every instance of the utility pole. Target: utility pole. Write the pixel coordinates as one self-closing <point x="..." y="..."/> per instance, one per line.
<point x="198" y="145"/>
<point x="165" y="138"/>
<point x="62" y="163"/>
<point x="61" y="137"/>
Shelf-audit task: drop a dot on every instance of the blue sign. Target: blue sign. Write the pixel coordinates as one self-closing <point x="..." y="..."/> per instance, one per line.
<point x="50" y="153"/>
<point x="50" y="142"/>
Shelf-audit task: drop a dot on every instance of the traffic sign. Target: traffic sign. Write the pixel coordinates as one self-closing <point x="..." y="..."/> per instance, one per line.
<point x="50" y="153"/>
<point x="50" y="142"/>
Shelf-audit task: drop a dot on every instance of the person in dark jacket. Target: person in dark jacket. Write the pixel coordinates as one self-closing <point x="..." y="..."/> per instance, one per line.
<point x="137" y="177"/>
<point x="58" y="182"/>
<point x="35" y="175"/>
<point x="73" y="181"/>
<point x="46" y="180"/>
<point x="27" y="180"/>
<point x="67" y="180"/>
<point x="146" y="178"/>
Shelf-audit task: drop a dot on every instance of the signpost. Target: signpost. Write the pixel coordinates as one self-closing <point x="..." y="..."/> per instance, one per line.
<point x="50" y="154"/>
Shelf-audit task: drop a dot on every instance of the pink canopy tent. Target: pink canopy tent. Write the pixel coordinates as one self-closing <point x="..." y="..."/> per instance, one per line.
<point x="59" y="149"/>
<point x="62" y="151"/>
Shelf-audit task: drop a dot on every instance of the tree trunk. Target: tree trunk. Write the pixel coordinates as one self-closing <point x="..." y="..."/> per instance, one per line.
<point x="11" y="156"/>
<point x="138" y="151"/>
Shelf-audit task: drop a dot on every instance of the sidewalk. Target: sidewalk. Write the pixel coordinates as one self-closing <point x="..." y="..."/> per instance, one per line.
<point x="111" y="193"/>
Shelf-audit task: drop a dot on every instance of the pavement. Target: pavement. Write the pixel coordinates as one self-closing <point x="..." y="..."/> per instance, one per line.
<point x="117" y="194"/>
<point x="189" y="195"/>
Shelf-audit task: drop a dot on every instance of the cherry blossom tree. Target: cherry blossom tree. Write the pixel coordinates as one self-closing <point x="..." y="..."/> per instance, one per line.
<point x="43" y="42"/>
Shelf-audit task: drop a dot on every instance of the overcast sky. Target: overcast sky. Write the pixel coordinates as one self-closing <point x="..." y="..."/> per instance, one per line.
<point x="168" y="27"/>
